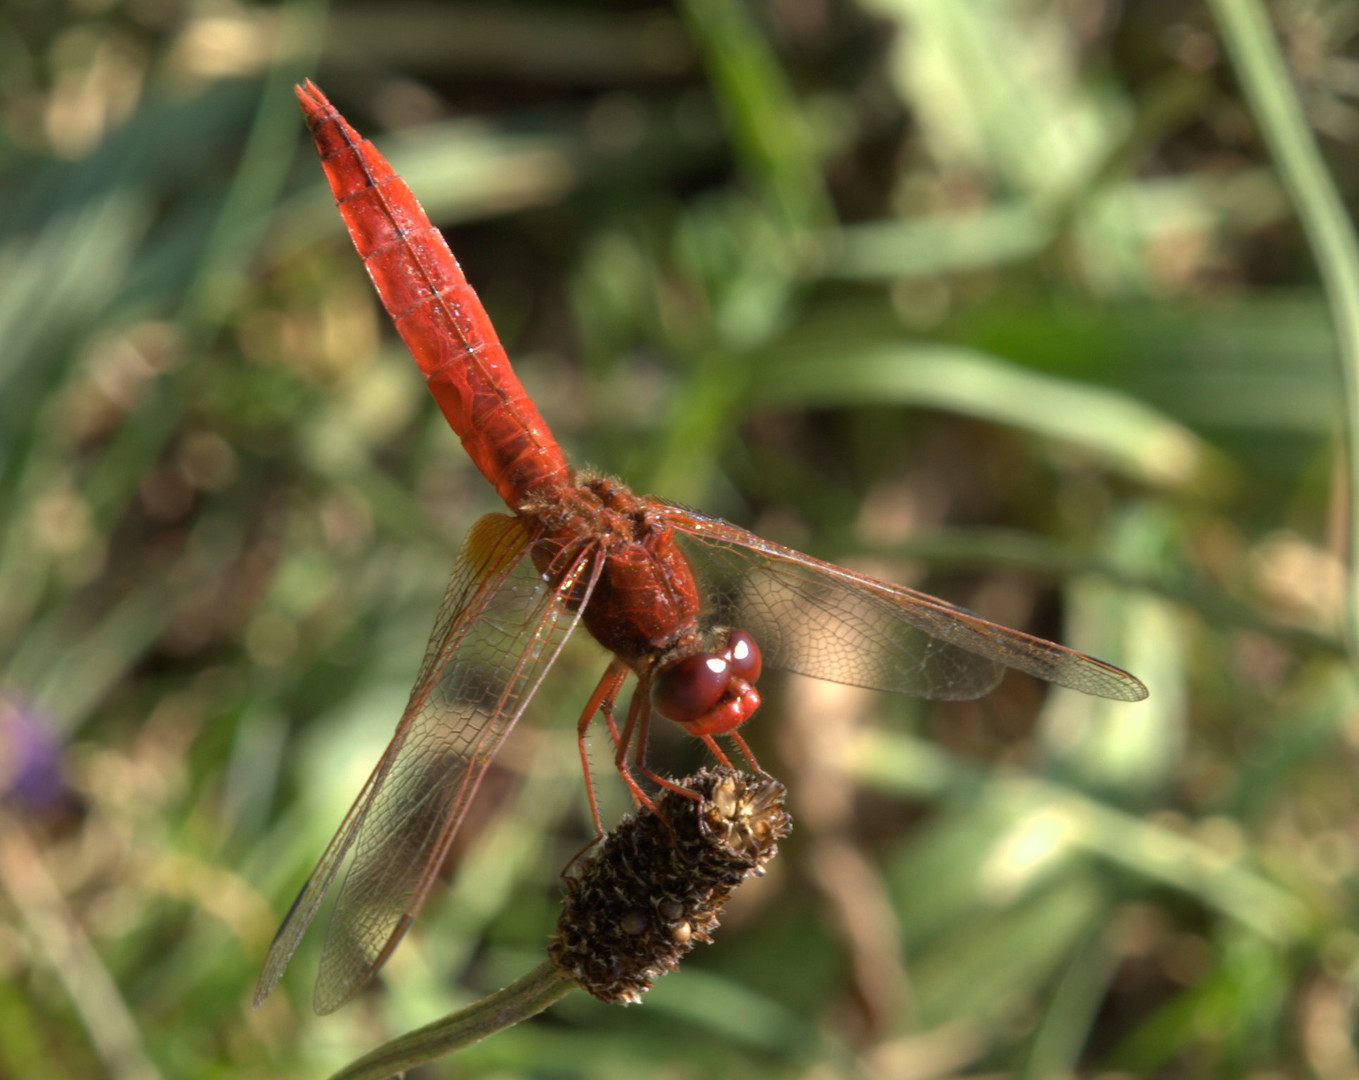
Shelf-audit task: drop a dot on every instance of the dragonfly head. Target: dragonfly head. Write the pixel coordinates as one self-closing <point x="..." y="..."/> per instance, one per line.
<point x="709" y="693"/>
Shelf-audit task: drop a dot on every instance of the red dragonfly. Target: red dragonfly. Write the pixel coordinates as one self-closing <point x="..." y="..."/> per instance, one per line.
<point x="691" y="605"/>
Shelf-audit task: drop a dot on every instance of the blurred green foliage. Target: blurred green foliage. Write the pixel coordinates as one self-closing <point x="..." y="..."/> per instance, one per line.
<point x="1004" y="299"/>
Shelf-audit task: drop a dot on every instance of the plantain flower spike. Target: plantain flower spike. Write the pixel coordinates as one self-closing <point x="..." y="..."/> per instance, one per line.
<point x="657" y="883"/>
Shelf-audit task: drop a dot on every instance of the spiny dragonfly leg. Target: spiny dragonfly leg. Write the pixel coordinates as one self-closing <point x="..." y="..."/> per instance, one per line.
<point x="605" y="693"/>
<point x="741" y="745"/>
<point x="716" y="751"/>
<point x="639" y="723"/>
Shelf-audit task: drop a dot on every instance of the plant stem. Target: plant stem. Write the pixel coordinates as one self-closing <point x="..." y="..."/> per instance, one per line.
<point x="523" y="998"/>
<point x="1275" y="106"/>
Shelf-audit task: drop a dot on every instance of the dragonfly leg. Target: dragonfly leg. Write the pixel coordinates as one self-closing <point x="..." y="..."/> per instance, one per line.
<point x="606" y="709"/>
<point x="639" y="721"/>
<point x="742" y="746"/>
<point x="605" y="693"/>
<point x="621" y="742"/>
<point x="716" y="751"/>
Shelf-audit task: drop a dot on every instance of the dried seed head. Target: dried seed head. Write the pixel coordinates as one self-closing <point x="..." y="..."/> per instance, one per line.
<point x="657" y="883"/>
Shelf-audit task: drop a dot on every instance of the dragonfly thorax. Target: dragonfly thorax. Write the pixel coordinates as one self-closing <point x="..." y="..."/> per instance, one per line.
<point x="644" y="603"/>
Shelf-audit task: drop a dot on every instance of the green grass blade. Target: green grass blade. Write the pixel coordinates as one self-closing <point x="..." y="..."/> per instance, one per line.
<point x="1267" y="85"/>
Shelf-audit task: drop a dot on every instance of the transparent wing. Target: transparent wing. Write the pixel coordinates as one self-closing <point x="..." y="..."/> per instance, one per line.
<point x="818" y="619"/>
<point x="499" y="629"/>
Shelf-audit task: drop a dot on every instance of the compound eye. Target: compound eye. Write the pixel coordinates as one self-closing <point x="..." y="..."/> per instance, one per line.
<point x="745" y="656"/>
<point x="688" y="689"/>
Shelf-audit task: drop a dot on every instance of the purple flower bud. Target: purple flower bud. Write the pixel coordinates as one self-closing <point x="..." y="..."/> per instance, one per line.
<point x="30" y="758"/>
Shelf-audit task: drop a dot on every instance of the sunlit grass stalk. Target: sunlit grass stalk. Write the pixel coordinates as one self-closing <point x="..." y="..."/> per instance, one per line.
<point x="768" y="129"/>
<point x="243" y="217"/>
<point x="1265" y="80"/>
<point x="244" y="214"/>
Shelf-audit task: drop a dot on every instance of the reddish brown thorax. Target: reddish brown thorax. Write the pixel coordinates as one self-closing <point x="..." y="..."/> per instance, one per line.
<point x="645" y="603"/>
<point x="645" y="606"/>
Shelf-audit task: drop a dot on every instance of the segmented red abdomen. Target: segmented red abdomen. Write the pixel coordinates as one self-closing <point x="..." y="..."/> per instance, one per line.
<point x="436" y="312"/>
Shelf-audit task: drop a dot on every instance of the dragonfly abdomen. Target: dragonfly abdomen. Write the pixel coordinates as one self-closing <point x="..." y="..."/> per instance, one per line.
<point x="437" y="314"/>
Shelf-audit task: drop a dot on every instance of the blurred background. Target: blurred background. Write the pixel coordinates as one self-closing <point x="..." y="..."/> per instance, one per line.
<point x="1003" y="299"/>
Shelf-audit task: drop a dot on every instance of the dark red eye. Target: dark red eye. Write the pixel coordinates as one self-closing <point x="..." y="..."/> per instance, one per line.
<point x="711" y="693"/>
<point x="745" y="656"/>
<point x="689" y="688"/>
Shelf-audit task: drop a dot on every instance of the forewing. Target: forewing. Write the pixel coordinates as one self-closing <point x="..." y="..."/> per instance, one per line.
<point x="499" y="629"/>
<point x="818" y="619"/>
